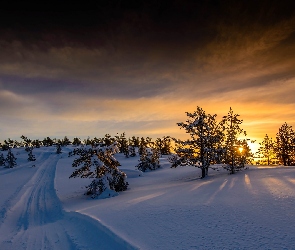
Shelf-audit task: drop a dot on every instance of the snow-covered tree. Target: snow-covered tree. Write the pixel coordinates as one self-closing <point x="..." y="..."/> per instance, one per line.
<point x="285" y="145"/>
<point x="149" y="159"/>
<point x="10" y="160"/>
<point x="199" y="151"/>
<point x="100" y="164"/>
<point x="211" y="142"/>
<point x="123" y="144"/>
<point x="27" y="143"/>
<point x="144" y="143"/>
<point x="7" y="144"/>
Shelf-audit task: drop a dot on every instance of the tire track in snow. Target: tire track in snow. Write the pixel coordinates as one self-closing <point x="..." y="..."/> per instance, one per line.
<point x="20" y="170"/>
<point x="35" y="219"/>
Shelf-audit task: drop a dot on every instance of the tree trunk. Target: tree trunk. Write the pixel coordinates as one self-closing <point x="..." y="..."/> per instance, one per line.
<point x="203" y="172"/>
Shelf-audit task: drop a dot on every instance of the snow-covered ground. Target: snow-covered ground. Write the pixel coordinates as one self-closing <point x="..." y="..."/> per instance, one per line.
<point x="41" y="208"/>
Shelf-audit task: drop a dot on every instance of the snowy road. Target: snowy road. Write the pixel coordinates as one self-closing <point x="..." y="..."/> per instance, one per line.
<point x="32" y="217"/>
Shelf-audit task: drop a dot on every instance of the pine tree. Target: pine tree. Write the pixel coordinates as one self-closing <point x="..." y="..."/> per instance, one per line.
<point x="58" y="148"/>
<point x="285" y="145"/>
<point x="123" y="144"/>
<point x="211" y="142"/>
<point x="101" y="165"/>
<point x="36" y="143"/>
<point x="10" y="160"/>
<point x="47" y="142"/>
<point x="231" y="125"/>
<point x="149" y="159"/>
<point x="164" y="145"/>
<point x="65" y="141"/>
<point x="143" y="144"/>
<point x="27" y="143"/>
<point x="31" y="157"/>
<point x="77" y="141"/>
<point x="108" y="140"/>
<point x="7" y="144"/>
<point x="134" y="141"/>
<point x="199" y="150"/>
<point x="2" y="160"/>
<point x="131" y="150"/>
<point x="266" y="149"/>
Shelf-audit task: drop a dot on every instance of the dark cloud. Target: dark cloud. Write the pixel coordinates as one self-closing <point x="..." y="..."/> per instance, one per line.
<point x="86" y="59"/>
<point x="162" y="24"/>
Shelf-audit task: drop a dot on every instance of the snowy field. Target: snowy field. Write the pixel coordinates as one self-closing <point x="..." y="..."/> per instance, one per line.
<point x="41" y="208"/>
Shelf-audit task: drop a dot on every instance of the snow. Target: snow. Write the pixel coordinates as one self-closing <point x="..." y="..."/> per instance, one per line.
<point x="41" y="208"/>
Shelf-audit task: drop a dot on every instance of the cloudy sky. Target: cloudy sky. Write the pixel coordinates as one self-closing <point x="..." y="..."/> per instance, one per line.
<point x="138" y="66"/>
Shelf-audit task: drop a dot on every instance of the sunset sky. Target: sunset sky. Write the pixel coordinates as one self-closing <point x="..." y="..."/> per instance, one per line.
<point x="138" y="66"/>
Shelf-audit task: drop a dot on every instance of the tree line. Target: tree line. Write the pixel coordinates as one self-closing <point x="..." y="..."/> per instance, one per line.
<point x="211" y="141"/>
